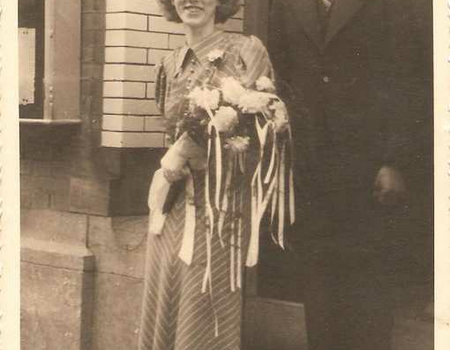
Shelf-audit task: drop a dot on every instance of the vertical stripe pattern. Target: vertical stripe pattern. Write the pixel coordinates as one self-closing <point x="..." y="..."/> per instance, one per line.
<point x="176" y="315"/>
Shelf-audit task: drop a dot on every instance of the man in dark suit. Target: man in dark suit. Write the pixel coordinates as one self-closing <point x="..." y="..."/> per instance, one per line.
<point x="345" y="70"/>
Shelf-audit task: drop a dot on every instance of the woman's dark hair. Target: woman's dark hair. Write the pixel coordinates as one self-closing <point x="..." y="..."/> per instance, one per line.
<point x="225" y="10"/>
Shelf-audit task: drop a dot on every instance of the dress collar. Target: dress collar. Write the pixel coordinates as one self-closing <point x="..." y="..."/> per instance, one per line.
<point x="200" y="49"/>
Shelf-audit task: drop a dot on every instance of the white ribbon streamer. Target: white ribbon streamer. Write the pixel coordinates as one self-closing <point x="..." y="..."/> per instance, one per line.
<point x="272" y="158"/>
<point x="209" y="214"/>
<point x="291" y="180"/>
<point x="224" y="205"/>
<point x="256" y="201"/>
<point x="281" y="199"/>
<point x="239" y="241"/>
<point x="218" y="159"/>
<point x="187" y="245"/>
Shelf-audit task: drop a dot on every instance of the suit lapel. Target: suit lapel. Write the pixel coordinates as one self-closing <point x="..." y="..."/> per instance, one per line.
<point x="307" y="15"/>
<point x="341" y="13"/>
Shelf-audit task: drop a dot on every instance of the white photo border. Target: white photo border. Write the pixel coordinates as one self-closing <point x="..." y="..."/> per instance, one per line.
<point x="9" y="180"/>
<point x="441" y="36"/>
<point x="9" y="176"/>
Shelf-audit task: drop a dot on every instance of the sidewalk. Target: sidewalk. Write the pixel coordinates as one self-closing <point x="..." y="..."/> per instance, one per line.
<point x="413" y="334"/>
<point x="414" y="327"/>
<point x="278" y="325"/>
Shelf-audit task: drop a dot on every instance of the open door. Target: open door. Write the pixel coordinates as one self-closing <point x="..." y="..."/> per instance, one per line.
<point x="274" y="315"/>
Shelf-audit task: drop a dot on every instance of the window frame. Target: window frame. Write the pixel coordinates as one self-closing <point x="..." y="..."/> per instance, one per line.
<point x="34" y="110"/>
<point x="58" y="85"/>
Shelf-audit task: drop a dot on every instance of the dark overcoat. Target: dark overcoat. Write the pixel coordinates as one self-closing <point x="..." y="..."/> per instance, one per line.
<point x="351" y="84"/>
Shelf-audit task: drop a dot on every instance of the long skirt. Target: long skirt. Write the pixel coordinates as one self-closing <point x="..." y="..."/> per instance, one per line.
<point x="176" y="315"/>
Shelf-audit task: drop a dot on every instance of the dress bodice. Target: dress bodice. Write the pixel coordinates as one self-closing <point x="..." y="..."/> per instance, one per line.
<point x="242" y="57"/>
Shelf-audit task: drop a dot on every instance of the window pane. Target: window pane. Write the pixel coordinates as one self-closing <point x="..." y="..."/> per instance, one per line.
<point x="31" y="52"/>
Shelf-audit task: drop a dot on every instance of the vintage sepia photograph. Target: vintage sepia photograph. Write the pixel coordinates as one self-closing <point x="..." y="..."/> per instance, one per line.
<point x="226" y="174"/>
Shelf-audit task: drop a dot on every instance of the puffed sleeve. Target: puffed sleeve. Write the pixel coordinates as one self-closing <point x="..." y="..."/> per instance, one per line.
<point x="254" y="61"/>
<point x="160" y="86"/>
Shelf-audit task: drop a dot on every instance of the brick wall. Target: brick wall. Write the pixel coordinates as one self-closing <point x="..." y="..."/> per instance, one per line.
<point x="137" y="37"/>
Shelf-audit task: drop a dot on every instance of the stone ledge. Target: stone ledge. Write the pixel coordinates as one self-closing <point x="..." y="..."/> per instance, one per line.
<point x="57" y="255"/>
<point x="56" y="306"/>
<point x="116" y="139"/>
<point x="119" y="245"/>
<point x="54" y="226"/>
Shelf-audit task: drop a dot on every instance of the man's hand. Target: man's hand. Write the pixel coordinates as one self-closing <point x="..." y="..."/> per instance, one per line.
<point x="389" y="187"/>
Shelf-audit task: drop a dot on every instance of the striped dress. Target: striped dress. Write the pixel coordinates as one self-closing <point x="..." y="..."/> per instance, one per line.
<point x="176" y="315"/>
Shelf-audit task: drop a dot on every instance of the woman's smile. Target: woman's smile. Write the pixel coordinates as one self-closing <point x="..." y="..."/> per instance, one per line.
<point x="196" y="14"/>
<point x="193" y="8"/>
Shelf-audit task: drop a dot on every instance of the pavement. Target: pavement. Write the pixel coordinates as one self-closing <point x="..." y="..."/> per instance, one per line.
<point x="414" y="325"/>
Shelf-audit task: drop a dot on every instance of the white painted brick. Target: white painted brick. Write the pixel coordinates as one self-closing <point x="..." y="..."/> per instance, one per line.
<point x="159" y="41"/>
<point x="127" y="38"/>
<point x="154" y="124"/>
<point x="129" y="72"/>
<point x="126" y="21"/>
<point x="139" y="39"/>
<point x="160" y="24"/>
<point x="155" y="56"/>
<point x="132" y="140"/>
<point x="176" y="41"/>
<point x="141" y="6"/>
<point x="129" y="106"/>
<point x="125" y="54"/>
<point x="113" y="89"/>
<point x="122" y="123"/>
<point x="124" y="89"/>
<point x="151" y="90"/>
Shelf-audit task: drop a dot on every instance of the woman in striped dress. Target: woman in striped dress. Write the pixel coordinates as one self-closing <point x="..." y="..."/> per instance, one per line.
<point x="176" y="315"/>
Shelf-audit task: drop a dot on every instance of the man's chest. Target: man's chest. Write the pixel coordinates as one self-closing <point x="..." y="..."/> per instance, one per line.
<point x="331" y="23"/>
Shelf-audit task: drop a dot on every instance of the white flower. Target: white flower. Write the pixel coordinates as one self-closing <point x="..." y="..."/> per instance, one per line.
<point x="225" y="119"/>
<point x="238" y="144"/>
<point x="232" y="90"/>
<point x="215" y="55"/>
<point x="255" y="101"/>
<point x="280" y="118"/>
<point x="265" y="84"/>
<point x="205" y="98"/>
<point x="196" y="96"/>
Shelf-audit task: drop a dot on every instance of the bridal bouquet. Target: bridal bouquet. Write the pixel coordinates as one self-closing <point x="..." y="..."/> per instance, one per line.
<point x="226" y="120"/>
<point x="229" y="111"/>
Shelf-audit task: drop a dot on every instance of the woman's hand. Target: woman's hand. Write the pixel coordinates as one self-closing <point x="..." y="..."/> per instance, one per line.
<point x="175" y="174"/>
<point x="183" y="151"/>
<point x="173" y="164"/>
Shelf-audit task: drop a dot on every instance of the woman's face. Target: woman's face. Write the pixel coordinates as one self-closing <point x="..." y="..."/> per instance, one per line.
<point x="196" y="13"/>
